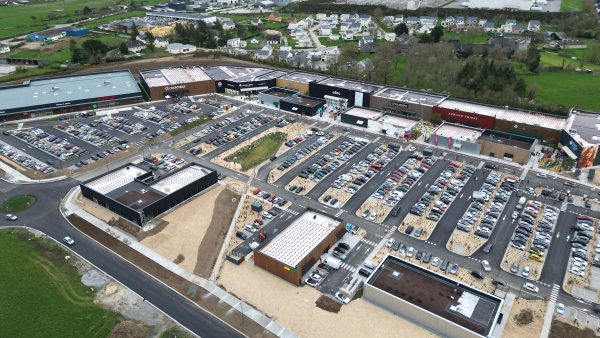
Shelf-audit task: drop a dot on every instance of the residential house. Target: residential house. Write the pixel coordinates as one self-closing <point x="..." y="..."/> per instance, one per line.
<point x="297" y="32"/>
<point x="321" y="16"/>
<point x="428" y="21"/>
<point x="506" y="28"/>
<point x="406" y="42"/>
<point x="254" y="41"/>
<point x="275" y="17"/>
<point x="256" y="22"/>
<point x="365" y="40"/>
<point x="364" y="20"/>
<point x="489" y="27"/>
<point x="334" y="37"/>
<point x="304" y="42"/>
<point x="449" y="22"/>
<point x="264" y="53"/>
<point x="348" y="35"/>
<point x="286" y="48"/>
<point x="412" y="21"/>
<point x="227" y="24"/>
<point x="511" y="22"/>
<point x="4" y="48"/>
<point x="344" y="17"/>
<point x="518" y="29"/>
<point x="334" y="17"/>
<point x="368" y="48"/>
<point x="273" y="39"/>
<point x="236" y="43"/>
<point x="558" y="36"/>
<point x="390" y="36"/>
<point x="533" y="25"/>
<point x="471" y="21"/>
<point x="179" y="48"/>
<point x="324" y="30"/>
<point x="398" y="19"/>
<point x="460" y="22"/>
<point x="161" y="42"/>
<point x="142" y="38"/>
<point x="284" y="55"/>
<point x="570" y="44"/>
<point x="135" y="46"/>
<point x="364" y="66"/>
<point x="388" y="20"/>
<point x="482" y="22"/>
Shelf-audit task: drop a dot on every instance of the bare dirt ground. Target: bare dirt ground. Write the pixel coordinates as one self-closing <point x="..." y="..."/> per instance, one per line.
<point x="561" y="328"/>
<point x="522" y="312"/>
<point x="199" y="252"/>
<point x="94" y="209"/>
<point x="276" y="174"/>
<point x="294" y="307"/>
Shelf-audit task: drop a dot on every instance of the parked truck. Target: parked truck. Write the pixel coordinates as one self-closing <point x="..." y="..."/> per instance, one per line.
<point x="332" y="262"/>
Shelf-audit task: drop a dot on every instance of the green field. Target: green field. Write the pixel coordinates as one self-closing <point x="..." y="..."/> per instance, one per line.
<point x="467" y="37"/>
<point x="41" y="293"/>
<point x="259" y="151"/>
<point x="572" y="5"/>
<point x="555" y="60"/>
<point x="17" y="203"/>
<point x="567" y="88"/>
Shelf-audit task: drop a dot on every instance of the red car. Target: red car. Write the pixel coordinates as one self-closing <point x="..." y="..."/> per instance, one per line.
<point x="258" y="221"/>
<point x="255" y="191"/>
<point x="272" y="198"/>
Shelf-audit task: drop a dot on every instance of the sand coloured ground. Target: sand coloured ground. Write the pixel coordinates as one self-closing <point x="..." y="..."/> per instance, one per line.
<point x="294" y="307"/>
<point x="532" y="330"/>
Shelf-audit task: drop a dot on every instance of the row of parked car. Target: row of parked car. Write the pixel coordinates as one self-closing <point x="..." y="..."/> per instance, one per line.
<point x="538" y="220"/>
<point x="271" y="198"/>
<point x="445" y="189"/>
<point x="155" y="115"/>
<point x="101" y="154"/>
<point x="25" y="161"/>
<point x="238" y="131"/>
<point x="222" y="124"/>
<point x="304" y="152"/>
<point x="123" y="124"/>
<point x="482" y="205"/>
<point x="580" y="246"/>
<point x="49" y="143"/>
<point x="363" y="171"/>
<point x="88" y="133"/>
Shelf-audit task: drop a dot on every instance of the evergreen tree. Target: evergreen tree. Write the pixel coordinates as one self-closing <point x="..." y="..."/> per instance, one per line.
<point x="436" y="33"/>
<point x="401" y="29"/>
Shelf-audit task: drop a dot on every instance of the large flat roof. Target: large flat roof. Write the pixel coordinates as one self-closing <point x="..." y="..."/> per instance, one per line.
<point x="179" y="15"/>
<point x="364" y="87"/>
<point x="399" y="121"/>
<point x="279" y="92"/>
<point x="180" y="179"/>
<point x="507" y="114"/>
<point x="410" y="96"/>
<point x="300" y="238"/>
<point x="304" y="77"/>
<point x="172" y="76"/>
<point x="364" y="113"/>
<point x="68" y="89"/>
<point x="231" y="72"/>
<point x="458" y="132"/>
<point x="263" y="74"/>
<point x="446" y="298"/>
<point x="585" y="128"/>
<point x="306" y="101"/>
<point x="116" y="179"/>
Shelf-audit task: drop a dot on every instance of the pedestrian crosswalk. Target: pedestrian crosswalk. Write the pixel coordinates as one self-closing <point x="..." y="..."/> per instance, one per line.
<point x="348" y="267"/>
<point x="339" y="213"/>
<point x="366" y="241"/>
<point x="554" y="293"/>
<point x="293" y="212"/>
<point x="390" y="232"/>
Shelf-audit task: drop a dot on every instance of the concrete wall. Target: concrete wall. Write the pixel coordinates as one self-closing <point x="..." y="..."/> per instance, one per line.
<point x="520" y="155"/>
<point x="300" y="87"/>
<point x="401" y="108"/>
<point x="415" y="314"/>
<point x="269" y="100"/>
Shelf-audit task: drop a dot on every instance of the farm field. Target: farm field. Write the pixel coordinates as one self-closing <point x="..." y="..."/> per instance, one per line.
<point x="567" y="88"/>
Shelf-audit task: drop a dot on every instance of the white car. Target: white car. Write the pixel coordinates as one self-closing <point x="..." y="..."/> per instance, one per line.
<point x="486" y="266"/>
<point x="435" y="261"/>
<point x="372" y="216"/>
<point x="68" y="241"/>
<point x="560" y="308"/>
<point x="515" y="214"/>
<point x="342" y="297"/>
<point x="541" y="175"/>
<point x="389" y="243"/>
<point x="11" y="217"/>
<point x="531" y="287"/>
<point x="526" y="272"/>
<point x="266" y="215"/>
<point x="410" y="251"/>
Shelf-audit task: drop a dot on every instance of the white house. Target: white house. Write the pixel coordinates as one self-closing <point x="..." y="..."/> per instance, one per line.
<point x="179" y="48"/>
<point x="304" y="43"/>
<point x="254" y="41"/>
<point x="482" y="22"/>
<point x="533" y="25"/>
<point x="334" y="37"/>
<point x="135" y="46"/>
<point x="449" y="22"/>
<point x="324" y="31"/>
<point x="161" y="42"/>
<point x="285" y="48"/>
<point x="4" y="48"/>
<point x="321" y="16"/>
<point x="348" y="35"/>
<point x="489" y="27"/>
<point x="459" y="21"/>
<point x="227" y="24"/>
<point x="344" y="17"/>
<point x="236" y="43"/>
<point x="390" y="36"/>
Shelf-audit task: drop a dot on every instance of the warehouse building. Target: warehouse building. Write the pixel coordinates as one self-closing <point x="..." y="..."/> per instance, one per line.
<point x="471" y="140"/>
<point x="293" y="251"/>
<point x="273" y="96"/>
<point x="303" y="105"/>
<point x="340" y="94"/>
<point x="299" y="81"/>
<point x="506" y="119"/>
<point x="234" y="80"/>
<point x="62" y="94"/>
<point x="164" y="83"/>
<point x="181" y="16"/>
<point x="403" y="102"/>
<point x="360" y="117"/>
<point x="137" y="193"/>
<point x="379" y="122"/>
<point x="580" y="139"/>
<point x="447" y="307"/>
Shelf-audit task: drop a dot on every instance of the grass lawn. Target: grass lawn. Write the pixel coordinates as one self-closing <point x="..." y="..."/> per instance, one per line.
<point x="203" y="119"/>
<point x="41" y="293"/>
<point x="572" y="5"/>
<point x="175" y="332"/>
<point x="467" y="37"/>
<point x="567" y="88"/>
<point x="259" y="151"/>
<point x="17" y="203"/>
<point x="555" y="60"/>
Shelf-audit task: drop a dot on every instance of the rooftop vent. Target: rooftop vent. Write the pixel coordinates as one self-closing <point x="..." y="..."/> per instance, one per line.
<point x="55" y="88"/>
<point x="106" y="82"/>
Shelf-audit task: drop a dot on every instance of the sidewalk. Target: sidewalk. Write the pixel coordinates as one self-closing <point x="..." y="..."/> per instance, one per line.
<point x="69" y="208"/>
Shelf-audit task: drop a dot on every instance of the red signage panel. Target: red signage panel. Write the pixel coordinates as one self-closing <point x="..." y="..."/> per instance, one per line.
<point x="466" y="118"/>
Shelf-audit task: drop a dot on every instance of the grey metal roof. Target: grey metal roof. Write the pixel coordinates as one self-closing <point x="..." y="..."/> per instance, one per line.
<point x="51" y="91"/>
